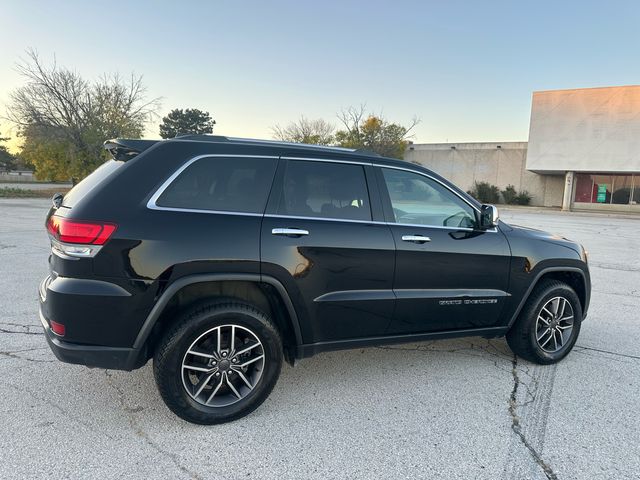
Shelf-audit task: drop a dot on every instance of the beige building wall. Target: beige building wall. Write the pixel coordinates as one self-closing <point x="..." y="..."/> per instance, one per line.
<point x="500" y="164"/>
<point x="585" y="130"/>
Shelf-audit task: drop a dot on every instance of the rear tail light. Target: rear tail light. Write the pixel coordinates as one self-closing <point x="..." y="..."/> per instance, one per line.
<point x="78" y="239"/>
<point x="86" y="233"/>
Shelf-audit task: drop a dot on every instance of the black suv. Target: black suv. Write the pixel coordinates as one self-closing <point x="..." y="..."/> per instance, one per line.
<point x="220" y="257"/>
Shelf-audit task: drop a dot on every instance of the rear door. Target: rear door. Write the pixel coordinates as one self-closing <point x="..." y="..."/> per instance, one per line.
<point x="320" y="238"/>
<point x="449" y="275"/>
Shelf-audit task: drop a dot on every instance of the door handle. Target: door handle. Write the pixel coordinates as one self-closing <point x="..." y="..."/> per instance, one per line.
<point x="289" y="232"/>
<point x="415" y="238"/>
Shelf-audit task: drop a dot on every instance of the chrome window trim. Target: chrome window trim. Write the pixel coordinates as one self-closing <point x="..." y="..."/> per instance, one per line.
<point x="152" y="205"/>
<point x="299" y="217"/>
<point x="196" y="210"/>
<point x="466" y="229"/>
<point x="374" y="222"/>
<point x="419" y="225"/>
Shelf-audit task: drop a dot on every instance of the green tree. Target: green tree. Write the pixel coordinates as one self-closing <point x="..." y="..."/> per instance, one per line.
<point x="186" y="122"/>
<point x="7" y="160"/>
<point x="314" y="132"/>
<point x="64" y="119"/>
<point x="50" y="153"/>
<point x="373" y="133"/>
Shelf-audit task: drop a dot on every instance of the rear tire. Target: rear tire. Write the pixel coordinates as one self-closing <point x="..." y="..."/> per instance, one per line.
<point x="548" y="325"/>
<point x="237" y="361"/>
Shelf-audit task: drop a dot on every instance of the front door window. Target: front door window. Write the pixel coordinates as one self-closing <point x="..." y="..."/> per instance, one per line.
<point x="419" y="200"/>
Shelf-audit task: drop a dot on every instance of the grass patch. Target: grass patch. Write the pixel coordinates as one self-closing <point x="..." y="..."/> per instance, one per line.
<point x="12" y="192"/>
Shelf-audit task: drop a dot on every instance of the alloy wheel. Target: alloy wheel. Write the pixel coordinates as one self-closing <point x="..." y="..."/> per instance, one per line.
<point x="223" y="365"/>
<point x="554" y="324"/>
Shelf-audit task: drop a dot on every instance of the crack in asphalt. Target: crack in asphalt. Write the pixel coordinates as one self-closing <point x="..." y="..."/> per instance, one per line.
<point x="618" y="294"/>
<point x="57" y="407"/>
<point x="624" y="355"/>
<point x="613" y="266"/>
<point x="530" y="389"/>
<point x="468" y="349"/>
<point x="15" y="332"/>
<point x="12" y="354"/>
<point x="517" y="427"/>
<point x="138" y="430"/>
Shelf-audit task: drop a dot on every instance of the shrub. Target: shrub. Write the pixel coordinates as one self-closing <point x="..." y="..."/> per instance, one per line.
<point x="11" y="192"/>
<point x="485" y="192"/>
<point x="523" y="198"/>
<point x="509" y="195"/>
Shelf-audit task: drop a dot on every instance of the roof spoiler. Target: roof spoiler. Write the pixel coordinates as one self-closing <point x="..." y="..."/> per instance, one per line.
<point x="125" y="149"/>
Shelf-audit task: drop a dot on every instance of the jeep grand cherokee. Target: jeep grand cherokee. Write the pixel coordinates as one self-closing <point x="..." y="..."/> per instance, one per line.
<point x="220" y="257"/>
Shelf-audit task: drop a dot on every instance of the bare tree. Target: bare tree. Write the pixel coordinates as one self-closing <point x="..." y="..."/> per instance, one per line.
<point x="317" y="132"/>
<point x="373" y="132"/>
<point x="351" y="117"/>
<point x="58" y="102"/>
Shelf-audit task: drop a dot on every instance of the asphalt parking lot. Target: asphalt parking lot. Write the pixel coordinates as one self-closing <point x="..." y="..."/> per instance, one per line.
<point x="460" y="408"/>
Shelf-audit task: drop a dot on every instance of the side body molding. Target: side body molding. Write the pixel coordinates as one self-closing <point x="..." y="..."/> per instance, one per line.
<point x="174" y="287"/>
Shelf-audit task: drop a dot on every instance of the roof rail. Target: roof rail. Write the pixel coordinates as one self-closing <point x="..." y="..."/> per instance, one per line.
<point x="125" y="149"/>
<point x="364" y="151"/>
<point x="220" y="138"/>
<point x="292" y="144"/>
<point x="200" y="137"/>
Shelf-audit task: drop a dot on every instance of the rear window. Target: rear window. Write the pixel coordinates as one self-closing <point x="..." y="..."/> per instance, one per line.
<point x="90" y="182"/>
<point x="221" y="184"/>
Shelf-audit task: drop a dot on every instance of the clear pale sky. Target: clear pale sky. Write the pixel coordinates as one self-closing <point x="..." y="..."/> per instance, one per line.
<point x="466" y="69"/>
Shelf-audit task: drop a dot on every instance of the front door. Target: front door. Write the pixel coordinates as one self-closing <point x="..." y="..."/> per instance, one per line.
<point x="449" y="275"/>
<point x="319" y="239"/>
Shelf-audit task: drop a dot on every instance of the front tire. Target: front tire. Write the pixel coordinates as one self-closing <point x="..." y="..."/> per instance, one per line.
<point x="218" y="363"/>
<point x="548" y="325"/>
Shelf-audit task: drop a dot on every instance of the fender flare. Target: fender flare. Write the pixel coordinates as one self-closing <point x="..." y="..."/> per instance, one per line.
<point x="539" y="275"/>
<point x="182" y="282"/>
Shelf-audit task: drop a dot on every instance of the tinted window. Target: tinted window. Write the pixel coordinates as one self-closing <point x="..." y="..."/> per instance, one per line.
<point x="224" y="184"/>
<point x="418" y="200"/>
<point x="325" y="190"/>
<point x="89" y="183"/>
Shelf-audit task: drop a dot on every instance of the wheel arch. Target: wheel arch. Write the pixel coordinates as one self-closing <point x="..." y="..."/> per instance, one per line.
<point x="265" y="292"/>
<point x="573" y="276"/>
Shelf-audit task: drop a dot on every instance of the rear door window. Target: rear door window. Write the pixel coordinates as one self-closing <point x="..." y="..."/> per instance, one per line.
<point x="325" y="190"/>
<point x="221" y="184"/>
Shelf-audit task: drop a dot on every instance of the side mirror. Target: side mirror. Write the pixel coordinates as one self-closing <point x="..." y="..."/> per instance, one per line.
<point x="488" y="217"/>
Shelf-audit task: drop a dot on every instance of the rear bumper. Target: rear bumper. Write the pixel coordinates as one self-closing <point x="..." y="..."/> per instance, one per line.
<point x="89" y="355"/>
<point x="65" y="305"/>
